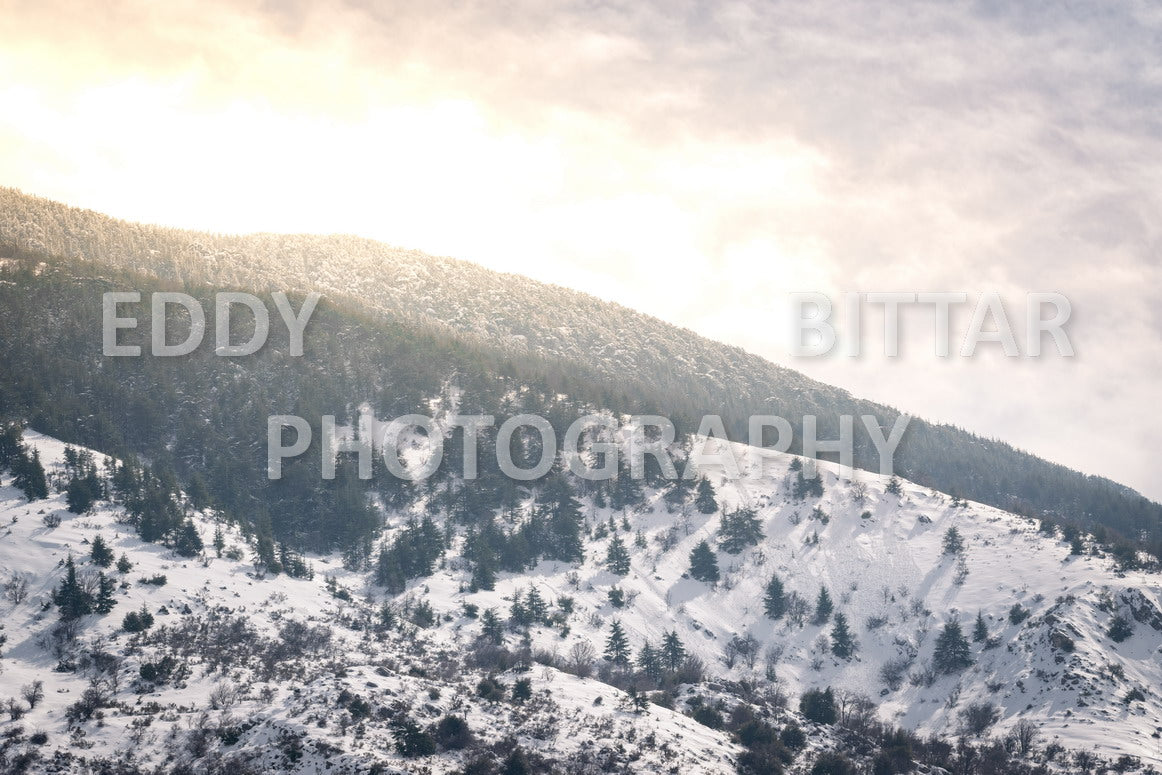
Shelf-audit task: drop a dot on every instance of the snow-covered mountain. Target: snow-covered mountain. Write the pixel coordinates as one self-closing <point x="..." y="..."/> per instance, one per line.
<point x="677" y="371"/>
<point x="274" y="673"/>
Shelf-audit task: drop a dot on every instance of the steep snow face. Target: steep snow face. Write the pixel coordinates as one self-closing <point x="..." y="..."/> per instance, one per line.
<point x="880" y="555"/>
<point x="884" y="565"/>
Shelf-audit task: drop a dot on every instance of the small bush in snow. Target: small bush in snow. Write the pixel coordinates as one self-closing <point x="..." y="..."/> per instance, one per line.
<point x="1120" y="629"/>
<point x="978" y="717"/>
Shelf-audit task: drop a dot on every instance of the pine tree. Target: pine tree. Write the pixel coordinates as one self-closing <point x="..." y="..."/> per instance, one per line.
<point x="673" y="653"/>
<point x="189" y="542"/>
<point x="483" y="575"/>
<point x="678" y="495"/>
<point x="799" y="488"/>
<point x="705" y="501"/>
<point x="123" y="564"/>
<point x="10" y="444"/>
<point x="894" y="486"/>
<point x="538" y="609"/>
<point x="79" y="496"/>
<point x="617" y="645"/>
<point x="137" y="621"/>
<point x="219" y="541"/>
<point x="627" y="492"/>
<point x="953" y="543"/>
<point x="980" y="632"/>
<point x="29" y="475"/>
<point x="491" y="626"/>
<point x="775" y="599"/>
<point x="518" y="612"/>
<point x="806" y="487"/>
<point x="1120" y="629"/>
<point x="100" y="552"/>
<point x="197" y="492"/>
<point x="105" y="589"/>
<point x="389" y="570"/>
<point x="952" y="653"/>
<point x="823" y="606"/>
<point x="819" y="706"/>
<point x="703" y="563"/>
<point x="842" y="641"/>
<point x="564" y="524"/>
<point x="617" y="558"/>
<point x="649" y="661"/>
<point x="70" y="597"/>
<point x="739" y="530"/>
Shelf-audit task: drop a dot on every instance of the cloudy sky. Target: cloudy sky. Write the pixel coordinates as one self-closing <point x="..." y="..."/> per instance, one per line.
<point x="697" y="161"/>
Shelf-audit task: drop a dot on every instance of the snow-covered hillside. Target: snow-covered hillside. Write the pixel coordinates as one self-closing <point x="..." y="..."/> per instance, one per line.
<point x="290" y="674"/>
<point x="883" y="563"/>
<point x="240" y="695"/>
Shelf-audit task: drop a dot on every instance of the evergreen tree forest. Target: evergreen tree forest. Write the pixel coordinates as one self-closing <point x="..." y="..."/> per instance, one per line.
<point x="201" y="419"/>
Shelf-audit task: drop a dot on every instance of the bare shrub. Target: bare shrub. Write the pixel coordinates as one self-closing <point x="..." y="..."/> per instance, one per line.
<point x="16" y="588"/>
<point x="1025" y="734"/>
<point x="925" y="676"/>
<point x="33" y="693"/>
<point x="580" y="660"/>
<point x="893" y="671"/>
<point x="15" y="710"/>
<point x="224" y="695"/>
<point x="978" y="717"/>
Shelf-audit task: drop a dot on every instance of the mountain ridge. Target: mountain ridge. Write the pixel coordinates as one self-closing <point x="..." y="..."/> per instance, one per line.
<point x="514" y="314"/>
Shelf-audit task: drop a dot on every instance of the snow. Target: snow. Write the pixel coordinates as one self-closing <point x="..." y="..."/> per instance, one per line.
<point x="889" y="565"/>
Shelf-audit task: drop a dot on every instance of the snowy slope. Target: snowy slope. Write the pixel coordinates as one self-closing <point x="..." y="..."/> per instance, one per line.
<point x="294" y="714"/>
<point x="889" y="565"/>
<point x="293" y="720"/>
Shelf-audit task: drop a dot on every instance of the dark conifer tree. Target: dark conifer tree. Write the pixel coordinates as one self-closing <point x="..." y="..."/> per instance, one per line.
<point x="649" y="661"/>
<point x="775" y="599"/>
<point x="492" y="628"/>
<point x="740" y="529"/>
<point x="564" y="523"/>
<point x="70" y="597"/>
<point x="518" y="611"/>
<point x="617" y="645"/>
<point x="617" y="558"/>
<point x="823" y="606"/>
<point x="980" y="632"/>
<point x="81" y="494"/>
<point x="952" y="653"/>
<point x="483" y="572"/>
<point x="678" y="494"/>
<point x="29" y="475"/>
<point x="105" y="590"/>
<point x="703" y="563"/>
<point x="100" y="552"/>
<point x="389" y="571"/>
<point x="842" y="640"/>
<point x="673" y="652"/>
<point x="189" y="542"/>
<point x="953" y="543"/>
<point x="705" y="501"/>
<point x="10" y="444"/>
<point x="538" y="609"/>
<point x="197" y="492"/>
